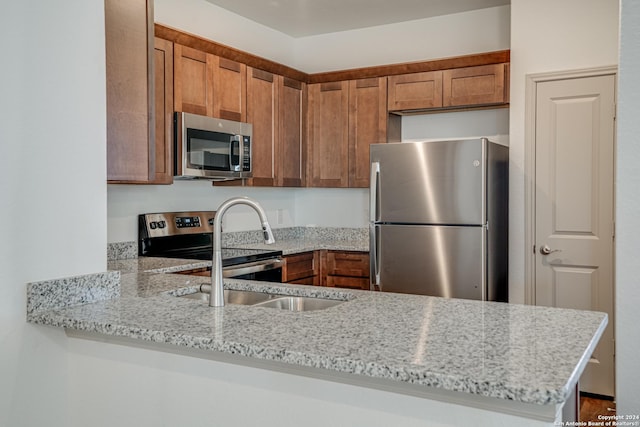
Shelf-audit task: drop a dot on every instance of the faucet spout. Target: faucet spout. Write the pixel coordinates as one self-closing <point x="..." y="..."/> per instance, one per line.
<point x="217" y="288"/>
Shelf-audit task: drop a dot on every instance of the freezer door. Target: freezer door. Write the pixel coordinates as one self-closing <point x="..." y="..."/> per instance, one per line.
<point x="439" y="182"/>
<point x="443" y="261"/>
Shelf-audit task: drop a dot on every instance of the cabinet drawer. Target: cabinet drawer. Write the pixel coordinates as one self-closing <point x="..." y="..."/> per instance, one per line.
<point x="348" y="282"/>
<point x="299" y="266"/>
<point x="349" y="264"/>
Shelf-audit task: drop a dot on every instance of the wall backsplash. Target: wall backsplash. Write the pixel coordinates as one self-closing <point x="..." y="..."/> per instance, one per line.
<point x="285" y="207"/>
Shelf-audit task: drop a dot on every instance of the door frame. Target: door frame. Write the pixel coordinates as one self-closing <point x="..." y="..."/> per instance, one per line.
<point x="532" y="81"/>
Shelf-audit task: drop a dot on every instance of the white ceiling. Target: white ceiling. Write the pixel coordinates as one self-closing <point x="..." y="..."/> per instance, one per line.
<point x="300" y="18"/>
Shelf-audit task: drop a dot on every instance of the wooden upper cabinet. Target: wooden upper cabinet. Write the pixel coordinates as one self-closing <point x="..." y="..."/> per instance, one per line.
<point x="130" y="109"/>
<point x="208" y="85"/>
<point x="262" y="113"/>
<point x="415" y="91"/>
<point x="229" y="89"/>
<point x="193" y="80"/>
<point x="290" y="157"/>
<point x="328" y="130"/>
<point x="367" y="125"/>
<point x="275" y="108"/>
<point x="483" y="85"/>
<point x="163" y="55"/>
<point x="344" y="119"/>
<point x="458" y="87"/>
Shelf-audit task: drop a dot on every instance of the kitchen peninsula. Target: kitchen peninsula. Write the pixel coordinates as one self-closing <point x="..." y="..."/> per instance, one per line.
<point x="495" y="362"/>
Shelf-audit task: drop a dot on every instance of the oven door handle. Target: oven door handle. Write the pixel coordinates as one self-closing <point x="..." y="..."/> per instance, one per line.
<point x="252" y="267"/>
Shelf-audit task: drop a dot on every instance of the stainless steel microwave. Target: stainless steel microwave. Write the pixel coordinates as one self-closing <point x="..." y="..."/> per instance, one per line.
<point x="211" y="148"/>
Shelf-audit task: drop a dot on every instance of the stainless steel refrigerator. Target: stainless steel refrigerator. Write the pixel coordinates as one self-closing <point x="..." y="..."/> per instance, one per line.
<point x="439" y="218"/>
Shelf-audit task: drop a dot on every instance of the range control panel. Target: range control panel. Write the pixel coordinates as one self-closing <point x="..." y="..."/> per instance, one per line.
<point x="176" y="223"/>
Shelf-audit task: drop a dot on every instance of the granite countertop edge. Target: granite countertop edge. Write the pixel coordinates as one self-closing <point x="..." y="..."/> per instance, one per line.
<point x="141" y="307"/>
<point x="397" y="372"/>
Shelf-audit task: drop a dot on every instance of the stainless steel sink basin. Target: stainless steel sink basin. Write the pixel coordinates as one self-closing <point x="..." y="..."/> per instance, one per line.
<point x="299" y="303"/>
<point x="262" y="299"/>
<point x="234" y="297"/>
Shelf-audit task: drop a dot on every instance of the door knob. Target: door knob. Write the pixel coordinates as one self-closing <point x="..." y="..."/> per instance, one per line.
<point x="546" y="250"/>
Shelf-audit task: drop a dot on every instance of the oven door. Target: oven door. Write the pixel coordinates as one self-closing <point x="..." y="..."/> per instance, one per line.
<point x="269" y="270"/>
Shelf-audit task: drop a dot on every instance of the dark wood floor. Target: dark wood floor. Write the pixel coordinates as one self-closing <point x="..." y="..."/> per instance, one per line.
<point x="591" y="407"/>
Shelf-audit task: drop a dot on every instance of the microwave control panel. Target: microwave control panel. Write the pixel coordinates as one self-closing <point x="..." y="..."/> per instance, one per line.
<point x="246" y="155"/>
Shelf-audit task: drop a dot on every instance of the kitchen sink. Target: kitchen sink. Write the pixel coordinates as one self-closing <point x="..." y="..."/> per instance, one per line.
<point x="261" y="299"/>
<point x="234" y="297"/>
<point x="299" y="303"/>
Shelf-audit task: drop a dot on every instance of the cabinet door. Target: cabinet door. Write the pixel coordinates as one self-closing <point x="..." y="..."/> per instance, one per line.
<point x="474" y="86"/>
<point x="130" y="130"/>
<point x="230" y="90"/>
<point x="163" y="55"/>
<point x="329" y="134"/>
<point x="300" y="266"/>
<point x="346" y="269"/>
<point x="193" y="80"/>
<point x="367" y="125"/>
<point x="290" y="158"/>
<point x="415" y="91"/>
<point x="262" y="113"/>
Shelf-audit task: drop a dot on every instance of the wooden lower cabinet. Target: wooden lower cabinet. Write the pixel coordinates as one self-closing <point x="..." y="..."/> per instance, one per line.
<point x="302" y="269"/>
<point x="347" y="269"/>
<point x="336" y="269"/>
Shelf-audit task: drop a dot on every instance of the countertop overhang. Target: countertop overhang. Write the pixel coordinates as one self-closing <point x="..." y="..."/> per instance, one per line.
<point x="525" y="358"/>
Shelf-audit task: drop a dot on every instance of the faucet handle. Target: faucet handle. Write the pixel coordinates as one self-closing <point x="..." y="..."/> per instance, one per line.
<point x="268" y="234"/>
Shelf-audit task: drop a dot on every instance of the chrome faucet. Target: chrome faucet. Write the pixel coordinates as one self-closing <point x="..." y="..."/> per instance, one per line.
<point x="217" y="289"/>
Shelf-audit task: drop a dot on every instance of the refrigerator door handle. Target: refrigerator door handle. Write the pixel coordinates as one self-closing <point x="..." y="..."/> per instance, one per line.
<point x="374" y="269"/>
<point x="373" y="191"/>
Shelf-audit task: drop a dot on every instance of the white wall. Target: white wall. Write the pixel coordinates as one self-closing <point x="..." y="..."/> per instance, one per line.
<point x="546" y="36"/>
<point x="207" y="20"/>
<point x="126" y="202"/>
<point x="493" y="123"/>
<point x="431" y="38"/>
<point x="628" y="212"/>
<point x="147" y="388"/>
<point x="52" y="170"/>
<point x="378" y="45"/>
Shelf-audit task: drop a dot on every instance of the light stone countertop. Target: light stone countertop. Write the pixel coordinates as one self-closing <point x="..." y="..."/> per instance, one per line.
<point x="514" y="352"/>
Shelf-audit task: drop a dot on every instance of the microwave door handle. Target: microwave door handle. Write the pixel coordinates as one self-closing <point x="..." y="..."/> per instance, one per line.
<point x="235" y="141"/>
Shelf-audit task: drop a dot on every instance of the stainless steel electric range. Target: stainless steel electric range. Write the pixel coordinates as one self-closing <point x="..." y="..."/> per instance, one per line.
<point x="189" y="235"/>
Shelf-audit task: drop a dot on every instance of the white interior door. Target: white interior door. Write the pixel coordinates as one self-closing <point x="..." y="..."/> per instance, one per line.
<point x="574" y="207"/>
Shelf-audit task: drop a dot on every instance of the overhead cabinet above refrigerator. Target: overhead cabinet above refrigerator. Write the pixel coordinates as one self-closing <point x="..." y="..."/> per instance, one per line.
<point x="439" y="218"/>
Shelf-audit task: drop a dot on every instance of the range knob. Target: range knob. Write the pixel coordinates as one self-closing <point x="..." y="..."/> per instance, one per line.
<point x="162" y="224"/>
<point x="153" y="225"/>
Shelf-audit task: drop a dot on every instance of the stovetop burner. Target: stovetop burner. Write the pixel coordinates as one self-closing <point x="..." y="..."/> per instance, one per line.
<point x="230" y="256"/>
